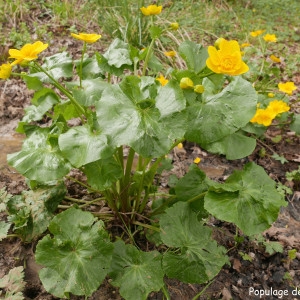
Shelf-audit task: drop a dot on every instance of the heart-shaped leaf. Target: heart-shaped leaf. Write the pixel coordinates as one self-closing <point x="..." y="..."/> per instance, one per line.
<point x="137" y="273"/>
<point x="78" y="257"/>
<point x="248" y="199"/>
<point x="38" y="159"/>
<point x="199" y="258"/>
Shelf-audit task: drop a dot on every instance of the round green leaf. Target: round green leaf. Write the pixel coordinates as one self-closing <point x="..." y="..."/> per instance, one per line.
<point x="137" y="273"/>
<point x="80" y="145"/>
<point x="199" y="259"/>
<point x="133" y="114"/>
<point x="222" y="114"/>
<point x="78" y="257"/>
<point x="38" y="160"/>
<point x="248" y="199"/>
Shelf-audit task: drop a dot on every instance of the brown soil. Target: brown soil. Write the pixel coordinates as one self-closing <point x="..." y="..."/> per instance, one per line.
<point x="262" y="271"/>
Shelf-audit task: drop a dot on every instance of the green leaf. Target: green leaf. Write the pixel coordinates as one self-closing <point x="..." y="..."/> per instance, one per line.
<point x="90" y="92"/>
<point x="58" y="65"/>
<point x="33" y="83"/>
<point x="101" y="174"/>
<point x="295" y="125"/>
<point x="133" y="114"/>
<point x="199" y="258"/>
<point x="248" y="199"/>
<point x="222" y="114"/>
<point x="234" y="146"/>
<point x="38" y="160"/>
<point x="117" y="54"/>
<point x="137" y="273"/>
<point x="194" y="55"/>
<point x="13" y="283"/>
<point x="193" y="184"/>
<point x="80" y="145"/>
<point x="91" y="69"/>
<point x="65" y="109"/>
<point x="32" y="211"/>
<point x="155" y="32"/>
<point x="43" y="101"/>
<point x="170" y="99"/>
<point x="77" y="258"/>
<point x="4" y="227"/>
<point x="280" y="158"/>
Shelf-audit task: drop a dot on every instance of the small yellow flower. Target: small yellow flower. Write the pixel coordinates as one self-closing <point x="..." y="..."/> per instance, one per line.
<point x="174" y="26"/>
<point x="270" y="38"/>
<point x="27" y="53"/>
<point x="186" y="83"/>
<point x="199" y="88"/>
<point x="197" y="160"/>
<point x="151" y="10"/>
<point x="163" y="81"/>
<point x="275" y="58"/>
<point x="170" y="53"/>
<point x="256" y="33"/>
<point x="287" y="87"/>
<point x="180" y="146"/>
<point x="227" y="59"/>
<point x="5" y="71"/>
<point x="244" y="45"/>
<point x="263" y="117"/>
<point x="278" y="107"/>
<point x="271" y="95"/>
<point x="89" y="38"/>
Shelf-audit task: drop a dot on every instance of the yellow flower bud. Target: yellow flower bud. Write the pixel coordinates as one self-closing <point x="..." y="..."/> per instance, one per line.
<point x="186" y="83"/>
<point x="174" y="26"/>
<point x="199" y="88"/>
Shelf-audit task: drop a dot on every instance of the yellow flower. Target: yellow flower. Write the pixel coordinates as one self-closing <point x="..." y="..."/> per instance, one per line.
<point x="89" y="38"/>
<point x="287" y="87"/>
<point x="275" y="58"/>
<point x="270" y="38"/>
<point x="218" y="42"/>
<point x="256" y="33"/>
<point x="27" y="53"/>
<point x="244" y="45"/>
<point x="271" y="95"/>
<point x="5" y="71"/>
<point x="174" y="26"/>
<point x="180" y="146"/>
<point x="197" y="160"/>
<point x="186" y="83"/>
<point x="278" y="107"/>
<point x="170" y="53"/>
<point x="263" y="117"/>
<point x="163" y="81"/>
<point x="151" y="10"/>
<point x="199" y="88"/>
<point x="227" y="59"/>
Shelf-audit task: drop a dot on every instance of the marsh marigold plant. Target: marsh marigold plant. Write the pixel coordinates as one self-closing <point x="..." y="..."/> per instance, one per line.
<point x="287" y="87"/>
<point x="226" y="59"/>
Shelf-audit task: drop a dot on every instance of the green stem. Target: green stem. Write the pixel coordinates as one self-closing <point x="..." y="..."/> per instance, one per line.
<point x="162" y="207"/>
<point x="91" y="202"/>
<point x="126" y="181"/>
<point x="197" y="197"/>
<point x="146" y="226"/>
<point x="148" y="57"/>
<point x="78" y="107"/>
<point x="82" y="184"/>
<point x="166" y="292"/>
<point x="75" y="200"/>
<point x="206" y="287"/>
<point x="81" y="63"/>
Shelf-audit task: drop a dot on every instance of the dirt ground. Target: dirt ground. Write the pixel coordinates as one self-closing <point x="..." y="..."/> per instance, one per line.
<point x="257" y="270"/>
